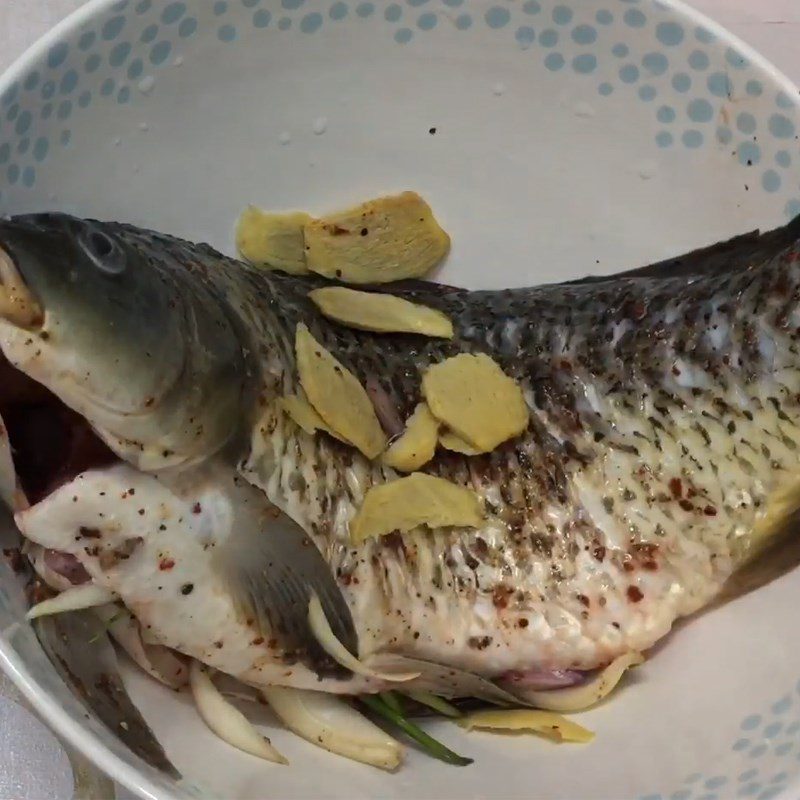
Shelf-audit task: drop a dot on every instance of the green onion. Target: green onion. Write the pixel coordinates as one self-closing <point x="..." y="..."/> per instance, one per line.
<point x="435" y="702"/>
<point x="393" y="701"/>
<point x="428" y="743"/>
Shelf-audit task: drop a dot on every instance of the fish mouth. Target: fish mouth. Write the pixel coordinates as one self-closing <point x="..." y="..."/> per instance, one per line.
<point x="50" y="443"/>
<point x="17" y="303"/>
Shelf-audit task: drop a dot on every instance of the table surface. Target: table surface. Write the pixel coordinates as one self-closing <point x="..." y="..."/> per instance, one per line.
<point x="33" y="764"/>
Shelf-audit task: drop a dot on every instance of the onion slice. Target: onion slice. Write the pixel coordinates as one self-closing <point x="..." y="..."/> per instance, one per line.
<point x="553" y="726"/>
<point x="73" y="599"/>
<point x="578" y="698"/>
<point x="330" y="723"/>
<point x="224" y="719"/>
<point x="323" y="633"/>
<point x="156" y="660"/>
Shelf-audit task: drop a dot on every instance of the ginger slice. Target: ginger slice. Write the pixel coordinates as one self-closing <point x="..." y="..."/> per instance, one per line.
<point x="273" y="241"/>
<point x="417" y="444"/>
<point x="382" y="240"/>
<point x="418" y="499"/>
<point x="476" y="400"/>
<point x="382" y="313"/>
<point x="337" y="396"/>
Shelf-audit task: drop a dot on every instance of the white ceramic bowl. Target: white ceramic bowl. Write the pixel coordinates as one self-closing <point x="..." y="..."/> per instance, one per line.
<point x="554" y="138"/>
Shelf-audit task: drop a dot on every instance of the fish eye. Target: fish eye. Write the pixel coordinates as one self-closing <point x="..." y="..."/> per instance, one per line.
<point x="103" y="251"/>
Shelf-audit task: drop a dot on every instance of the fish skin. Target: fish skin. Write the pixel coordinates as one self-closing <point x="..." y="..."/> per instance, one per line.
<point x="630" y="500"/>
<point x="664" y="412"/>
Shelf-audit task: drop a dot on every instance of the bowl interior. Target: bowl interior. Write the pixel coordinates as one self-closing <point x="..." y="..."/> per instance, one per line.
<point x="553" y="138"/>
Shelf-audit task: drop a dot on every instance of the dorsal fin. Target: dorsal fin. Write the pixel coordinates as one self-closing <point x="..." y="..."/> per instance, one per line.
<point x="721" y="257"/>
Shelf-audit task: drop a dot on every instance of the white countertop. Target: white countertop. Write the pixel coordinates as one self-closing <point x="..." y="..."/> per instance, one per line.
<point x="33" y="765"/>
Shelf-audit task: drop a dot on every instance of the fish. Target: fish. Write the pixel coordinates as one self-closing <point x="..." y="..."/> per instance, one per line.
<point x="660" y="457"/>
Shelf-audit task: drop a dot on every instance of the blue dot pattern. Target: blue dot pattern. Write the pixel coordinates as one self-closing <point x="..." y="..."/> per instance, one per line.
<point x="720" y="85"/>
<point x="749" y="154"/>
<point x="664" y="139"/>
<point x="681" y="82"/>
<point x="172" y="13"/>
<point x="765" y="739"/>
<point x="584" y="34"/>
<point x="497" y="17"/>
<point x="689" y="78"/>
<point x="548" y="38"/>
<point x="655" y="63"/>
<point x="525" y="35"/>
<point x="700" y="110"/>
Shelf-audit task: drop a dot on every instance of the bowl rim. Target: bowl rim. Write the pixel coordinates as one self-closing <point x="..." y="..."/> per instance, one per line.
<point x="90" y="744"/>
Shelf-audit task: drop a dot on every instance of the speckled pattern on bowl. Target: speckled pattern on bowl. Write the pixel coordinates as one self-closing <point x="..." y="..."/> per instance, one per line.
<point x="553" y="139"/>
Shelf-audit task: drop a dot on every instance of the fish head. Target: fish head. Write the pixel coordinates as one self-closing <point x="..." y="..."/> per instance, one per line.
<point x="117" y="327"/>
<point x="100" y="310"/>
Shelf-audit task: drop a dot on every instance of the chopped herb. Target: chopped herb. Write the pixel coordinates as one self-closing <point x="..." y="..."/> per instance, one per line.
<point x="427" y="742"/>
<point x="393" y="701"/>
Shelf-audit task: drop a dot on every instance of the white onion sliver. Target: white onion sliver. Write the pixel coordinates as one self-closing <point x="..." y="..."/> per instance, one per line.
<point x="226" y="720"/>
<point x="72" y="599"/>
<point x="156" y="660"/>
<point x="577" y="698"/>
<point x="330" y="723"/>
<point x="321" y="629"/>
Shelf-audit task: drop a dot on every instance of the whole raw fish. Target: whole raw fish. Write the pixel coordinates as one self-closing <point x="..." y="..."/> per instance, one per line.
<point x="661" y="454"/>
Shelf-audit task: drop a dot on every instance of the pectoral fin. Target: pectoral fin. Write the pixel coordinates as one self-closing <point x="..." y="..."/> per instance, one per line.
<point x="273" y="567"/>
<point x="81" y="652"/>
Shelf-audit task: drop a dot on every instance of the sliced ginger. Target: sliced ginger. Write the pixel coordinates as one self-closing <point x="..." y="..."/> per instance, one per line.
<point x="304" y="416"/>
<point x="415" y="500"/>
<point x="451" y="441"/>
<point x="417" y="444"/>
<point x="551" y="725"/>
<point x="382" y="313"/>
<point x="386" y="239"/>
<point x="382" y="240"/>
<point x="476" y="400"/>
<point x="273" y="241"/>
<point x="337" y="396"/>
